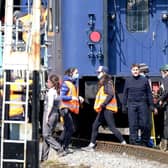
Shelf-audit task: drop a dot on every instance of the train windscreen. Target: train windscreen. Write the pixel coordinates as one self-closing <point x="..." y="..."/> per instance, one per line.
<point x="137" y="18"/>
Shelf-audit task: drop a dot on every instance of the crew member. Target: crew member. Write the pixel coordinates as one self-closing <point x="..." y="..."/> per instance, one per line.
<point x="50" y="117"/>
<point x="105" y="105"/>
<point x="69" y="107"/>
<point x="16" y="111"/>
<point x="162" y="101"/>
<point x="26" y="22"/>
<point x="137" y="97"/>
<point x="144" y="70"/>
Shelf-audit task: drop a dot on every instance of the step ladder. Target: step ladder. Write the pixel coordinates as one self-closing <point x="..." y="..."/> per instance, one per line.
<point x="6" y="158"/>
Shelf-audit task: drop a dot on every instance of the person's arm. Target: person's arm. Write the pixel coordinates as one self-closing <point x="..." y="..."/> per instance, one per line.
<point x="125" y="96"/>
<point x="51" y="96"/>
<point x="149" y="96"/>
<point x="125" y="93"/>
<point x="108" y="89"/>
<point x="63" y="93"/>
<point x="164" y="95"/>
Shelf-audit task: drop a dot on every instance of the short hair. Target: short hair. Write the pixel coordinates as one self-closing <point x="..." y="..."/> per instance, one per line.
<point x="135" y="65"/>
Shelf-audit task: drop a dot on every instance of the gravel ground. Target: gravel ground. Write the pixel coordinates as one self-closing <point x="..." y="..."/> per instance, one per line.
<point x="82" y="159"/>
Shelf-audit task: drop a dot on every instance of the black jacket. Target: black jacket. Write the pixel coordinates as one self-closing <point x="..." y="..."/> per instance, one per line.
<point x="137" y="89"/>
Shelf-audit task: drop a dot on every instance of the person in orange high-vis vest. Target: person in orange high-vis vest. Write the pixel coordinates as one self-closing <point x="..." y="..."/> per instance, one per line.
<point x="100" y="98"/>
<point x="26" y="21"/>
<point x="69" y="106"/>
<point x="105" y="105"/>
<point x="16" y="93"/>
<point x="16" y="111"/>
<point x="72" y="105"/>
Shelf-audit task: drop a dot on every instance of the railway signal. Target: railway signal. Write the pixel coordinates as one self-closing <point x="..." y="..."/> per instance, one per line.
<point x="94" y="38"/>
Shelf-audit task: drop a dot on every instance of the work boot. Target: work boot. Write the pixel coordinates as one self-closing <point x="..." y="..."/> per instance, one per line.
<point x="163" y="145"/>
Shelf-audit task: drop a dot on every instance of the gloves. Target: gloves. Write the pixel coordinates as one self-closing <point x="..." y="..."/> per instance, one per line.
<point x="81" y="99"/>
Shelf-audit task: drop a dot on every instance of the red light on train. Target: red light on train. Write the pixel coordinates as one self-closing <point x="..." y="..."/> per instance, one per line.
<point x="95" y="36"/>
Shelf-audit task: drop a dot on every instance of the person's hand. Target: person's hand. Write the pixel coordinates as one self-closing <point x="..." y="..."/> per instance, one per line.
<point x="75" y="98"/>
<point x="155" y="111"/>
<point x="81" y="99"/>
<point x="160" y="102"/>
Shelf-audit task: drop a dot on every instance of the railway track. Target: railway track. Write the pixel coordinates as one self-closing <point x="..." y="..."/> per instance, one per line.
<point x="130" y="150"/>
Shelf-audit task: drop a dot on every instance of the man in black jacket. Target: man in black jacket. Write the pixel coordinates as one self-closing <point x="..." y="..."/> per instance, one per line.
<point x="137" y="97"/>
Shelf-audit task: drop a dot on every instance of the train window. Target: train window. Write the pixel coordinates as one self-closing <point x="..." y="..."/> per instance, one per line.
<point x="137" y="17"/>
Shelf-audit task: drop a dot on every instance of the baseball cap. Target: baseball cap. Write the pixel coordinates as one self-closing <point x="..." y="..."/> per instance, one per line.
<point x="143" y="68"/>
<point x="102" y="69"/>
<point x="164" y="68"/>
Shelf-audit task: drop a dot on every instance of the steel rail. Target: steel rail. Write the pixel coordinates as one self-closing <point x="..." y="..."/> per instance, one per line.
<point x="139" y="152"/>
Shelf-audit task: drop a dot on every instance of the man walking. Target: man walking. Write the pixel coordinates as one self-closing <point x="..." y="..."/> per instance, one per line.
<point x="137" y="97"/>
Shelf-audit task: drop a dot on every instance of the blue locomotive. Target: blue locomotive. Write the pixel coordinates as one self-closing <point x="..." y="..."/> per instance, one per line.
<point x="112" y="33"/>
<point x="115" y="33"/>
<point x="89" y="33"/>
<point x="128" y="31"/>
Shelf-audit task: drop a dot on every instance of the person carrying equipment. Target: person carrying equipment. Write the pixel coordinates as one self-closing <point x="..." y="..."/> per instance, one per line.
<point x="162" y="101"/>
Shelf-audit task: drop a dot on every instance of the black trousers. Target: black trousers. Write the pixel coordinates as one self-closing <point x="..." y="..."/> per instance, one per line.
<point x="69" y="127"/>
<point x="139" y="118"/>
<point x="105" y="115"/>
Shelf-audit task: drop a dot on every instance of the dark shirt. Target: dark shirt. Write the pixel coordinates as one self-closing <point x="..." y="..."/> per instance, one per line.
<point x="137" y="89"/>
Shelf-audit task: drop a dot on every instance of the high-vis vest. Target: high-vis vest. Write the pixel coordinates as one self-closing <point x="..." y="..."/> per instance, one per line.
<point x="15" y="109"/>
<point x="72" y="105"/>
<point x="100" y="98"/>
<point x="27" y="23"/>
